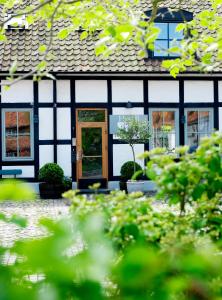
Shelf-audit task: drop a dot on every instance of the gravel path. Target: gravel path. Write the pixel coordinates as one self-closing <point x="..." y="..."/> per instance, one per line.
<point x="33" y="211"/>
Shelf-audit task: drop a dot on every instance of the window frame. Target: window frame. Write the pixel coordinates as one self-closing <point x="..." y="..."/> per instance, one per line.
<point x="4" y="157"/>
<point x="177" y="131"/>
<point x="168" y="40"/>
<point x="198" y="109"/>
<point x="166" y="15"/>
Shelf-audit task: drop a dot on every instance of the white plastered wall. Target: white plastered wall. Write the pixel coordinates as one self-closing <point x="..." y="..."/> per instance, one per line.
<point x="220" y="119"/>
<point x="63" y="91"/>
<point x="21" y="92"/>
<point x="63" y="124"/>
<point x="46" y="91"/>
<point x="127" y="90"/>
<point x="163" y="91"/>
<point x="27" y="171"/>
<point x="198" y="91"/>
<point x="123" y="153"/>
<point x="91" y="91"/>
<point x="64" y="158"/>
<point x="46" y="154"/>
<point x="128" y="111"/>
<point x="45" y="123"/>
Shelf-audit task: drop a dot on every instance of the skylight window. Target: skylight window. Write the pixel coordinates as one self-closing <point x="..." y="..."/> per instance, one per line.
<point x="16" y="22"/>
<point x="168" y="38"/>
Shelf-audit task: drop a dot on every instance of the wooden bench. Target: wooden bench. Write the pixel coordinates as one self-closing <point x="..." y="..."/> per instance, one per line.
<point x="13" y="172"/>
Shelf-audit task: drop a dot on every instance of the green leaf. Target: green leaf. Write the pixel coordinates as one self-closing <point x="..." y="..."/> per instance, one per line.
<point x="84" y="35"/>
<point x="63" y="34"/>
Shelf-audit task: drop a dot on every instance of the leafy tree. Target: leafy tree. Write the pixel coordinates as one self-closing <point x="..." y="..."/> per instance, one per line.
<point x="194" y="176"/>
<point x="133" y="131"/>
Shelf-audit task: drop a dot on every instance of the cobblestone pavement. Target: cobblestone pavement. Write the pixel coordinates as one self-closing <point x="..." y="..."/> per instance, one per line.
<point x="33" y="211"/>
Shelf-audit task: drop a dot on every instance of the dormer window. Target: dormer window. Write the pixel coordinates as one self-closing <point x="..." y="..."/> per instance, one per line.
<point x="16" y="22"/>
<point x="168" y="38"/>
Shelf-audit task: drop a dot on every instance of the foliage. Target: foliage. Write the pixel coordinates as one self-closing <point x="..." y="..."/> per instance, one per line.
<point x="194" y="176"/>
<point x="208" y="217"/>
<point x="67" y="183"/>
<point x="15" y="190"/>
<point x="128" y="249"/>
<point x="133" y="131"/>
<point x="127" y="170"/>
<point x="51" y="173"/>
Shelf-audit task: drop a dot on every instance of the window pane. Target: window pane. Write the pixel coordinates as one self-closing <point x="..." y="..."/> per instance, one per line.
<point x="92" y="141"/>
<point x="24" y="123"/>
<point x="175" y="44"/>
<point x="92" y="167"/>
<point x="11" y="123"/>
<point x="160" y="48"/>
<point x="24" y="146"/>
<point x="169" y="119"/>
<point x="192" y="121"/>
<point x="173" y="34"/>
<point x="163" y="35"/>
<point x="17" y="134"/>
<point x="164" y="134"/>
<point x="192" y="139"/>
<point x="91" y="116"/>
<point x="204" y="121"/>
<point x="157" y="118"/>
<point x="11" y="146"/>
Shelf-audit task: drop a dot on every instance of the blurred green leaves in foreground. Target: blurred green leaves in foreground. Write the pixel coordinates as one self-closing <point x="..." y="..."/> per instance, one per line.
<point x="120" y="247"/>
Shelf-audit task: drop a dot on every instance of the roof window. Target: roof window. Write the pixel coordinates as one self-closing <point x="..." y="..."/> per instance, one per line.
<point x="16" y="22"/>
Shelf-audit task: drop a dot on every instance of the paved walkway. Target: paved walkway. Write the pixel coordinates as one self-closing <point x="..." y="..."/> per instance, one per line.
<point x="33" y="211"/>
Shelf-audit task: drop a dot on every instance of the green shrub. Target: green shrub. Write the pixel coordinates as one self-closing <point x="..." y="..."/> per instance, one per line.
<point x="67" y="183"/>
<point x="127" y="170"/>
<point x="51" y="173"/>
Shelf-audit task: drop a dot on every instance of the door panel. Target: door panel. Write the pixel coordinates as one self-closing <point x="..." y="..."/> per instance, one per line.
<point x="91" y="145"/>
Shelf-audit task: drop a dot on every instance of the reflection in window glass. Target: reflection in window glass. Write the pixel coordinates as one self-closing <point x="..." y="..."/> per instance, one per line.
<point x="199" y="124"/>
<point x="17" y="134"/>
<point x="163" y="27"/>
<point x="91" y="116"/>
<point x="167" y="38"/>
<point x="173" y="34"/>
<point x="163" y="126"/>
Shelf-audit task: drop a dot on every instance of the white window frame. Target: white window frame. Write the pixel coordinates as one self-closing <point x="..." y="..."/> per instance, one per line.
<point x="211" y="111"/>
<point x="177" y="131"/>
<point x="4" y="157"/>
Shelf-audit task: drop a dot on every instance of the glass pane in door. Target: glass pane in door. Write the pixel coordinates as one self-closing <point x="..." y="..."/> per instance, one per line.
<point x="91" y="152"/>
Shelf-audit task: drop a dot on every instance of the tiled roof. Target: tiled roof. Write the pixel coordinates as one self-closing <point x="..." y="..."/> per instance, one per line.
<point x="74" y="55"/>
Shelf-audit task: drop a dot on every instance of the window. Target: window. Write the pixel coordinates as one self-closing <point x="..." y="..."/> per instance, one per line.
<point x="16" y="22"/>
<point x="17" y="134"/>
<point x="168" y="38"/>
<point x="164" y="124"/>
<point x="199" y="123"/>
<point x="167" y="20"/>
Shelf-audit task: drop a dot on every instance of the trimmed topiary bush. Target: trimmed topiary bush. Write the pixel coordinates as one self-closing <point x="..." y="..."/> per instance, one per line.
<point x="127" y="170"/>
<point x="51" y="173"/>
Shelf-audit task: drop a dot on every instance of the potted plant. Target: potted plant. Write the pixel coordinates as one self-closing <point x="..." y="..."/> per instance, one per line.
<point x="134" y="131"/>
<point x="127" y="172"/>
<point x="51" y="176"/>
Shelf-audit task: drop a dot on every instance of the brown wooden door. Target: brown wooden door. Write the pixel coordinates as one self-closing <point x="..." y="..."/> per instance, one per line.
<point x="92" y="151"/>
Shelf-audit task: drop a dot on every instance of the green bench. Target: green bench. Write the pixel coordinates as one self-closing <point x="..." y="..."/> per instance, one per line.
<point x="13" y="172"/>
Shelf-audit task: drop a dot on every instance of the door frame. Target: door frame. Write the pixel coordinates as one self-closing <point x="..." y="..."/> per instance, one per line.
<point x="79" y="126"/>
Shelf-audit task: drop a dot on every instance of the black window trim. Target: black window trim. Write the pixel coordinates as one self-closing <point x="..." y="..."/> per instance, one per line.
<point x="164" y="15"/>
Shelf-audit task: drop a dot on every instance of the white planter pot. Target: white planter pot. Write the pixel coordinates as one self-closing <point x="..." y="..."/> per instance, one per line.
<point x="135" y="186"/>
